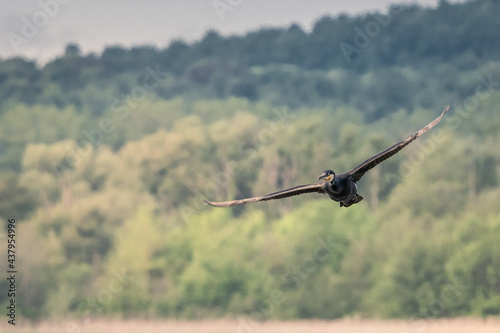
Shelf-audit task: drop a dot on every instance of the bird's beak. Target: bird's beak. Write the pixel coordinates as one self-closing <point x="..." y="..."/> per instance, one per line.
<point x="326" y="177"/>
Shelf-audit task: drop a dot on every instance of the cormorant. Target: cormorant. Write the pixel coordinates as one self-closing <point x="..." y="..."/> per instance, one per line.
<point x="341" y="187"/>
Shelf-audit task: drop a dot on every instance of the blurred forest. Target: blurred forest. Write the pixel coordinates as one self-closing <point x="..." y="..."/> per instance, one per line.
<point x="105" y="159"/>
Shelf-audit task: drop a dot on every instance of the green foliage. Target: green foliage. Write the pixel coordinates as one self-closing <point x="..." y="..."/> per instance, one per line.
<point x="125" y="234"/>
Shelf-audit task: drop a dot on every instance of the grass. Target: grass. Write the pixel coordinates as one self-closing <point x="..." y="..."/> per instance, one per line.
<point x="234" y="326"/>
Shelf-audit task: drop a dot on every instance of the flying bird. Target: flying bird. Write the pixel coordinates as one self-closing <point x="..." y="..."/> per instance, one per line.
<point x="341" y="187"/>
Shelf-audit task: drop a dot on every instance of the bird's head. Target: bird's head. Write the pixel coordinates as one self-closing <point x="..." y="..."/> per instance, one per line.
<point x="327" y="176"/>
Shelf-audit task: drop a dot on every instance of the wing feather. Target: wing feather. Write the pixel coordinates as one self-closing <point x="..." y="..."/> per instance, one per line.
<point x="361" y="169"/>
<point x="301" y="189"/>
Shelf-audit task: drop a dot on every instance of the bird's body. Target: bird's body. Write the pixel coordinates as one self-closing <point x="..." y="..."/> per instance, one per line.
<point x="342" y="187"/>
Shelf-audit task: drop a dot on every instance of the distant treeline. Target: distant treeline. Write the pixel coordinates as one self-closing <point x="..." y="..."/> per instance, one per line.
<point x="287" y="66"/>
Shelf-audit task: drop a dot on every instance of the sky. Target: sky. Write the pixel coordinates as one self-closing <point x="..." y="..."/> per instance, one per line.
<point x="40" y="29"/>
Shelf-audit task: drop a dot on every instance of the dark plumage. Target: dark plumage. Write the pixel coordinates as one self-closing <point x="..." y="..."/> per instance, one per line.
<point x="342" y="187"/>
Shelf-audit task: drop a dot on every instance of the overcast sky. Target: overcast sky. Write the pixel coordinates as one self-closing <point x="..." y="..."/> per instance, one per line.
<point x="40" y="29"/>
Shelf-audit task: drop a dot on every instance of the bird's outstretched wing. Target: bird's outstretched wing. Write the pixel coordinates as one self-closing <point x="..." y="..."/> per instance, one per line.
<point x="311" y="188"/>
<point x="361" y="169"/>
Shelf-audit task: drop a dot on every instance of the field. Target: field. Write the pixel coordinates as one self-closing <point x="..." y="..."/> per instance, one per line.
<point x="226" y="326"/>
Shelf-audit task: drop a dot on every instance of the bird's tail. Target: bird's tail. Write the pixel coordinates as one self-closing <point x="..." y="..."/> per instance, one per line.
<point x="354" y="200"/>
